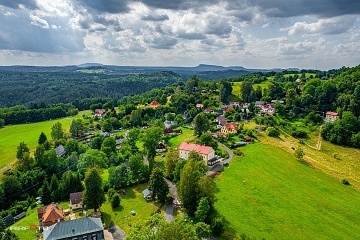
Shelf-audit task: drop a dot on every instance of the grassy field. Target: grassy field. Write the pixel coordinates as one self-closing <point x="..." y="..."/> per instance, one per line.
<point x="133" y="200"/>
<point x="236" y="86"/>
<point x="12" y="135"/>
<point x="186" y="136"/>
<point x="268" y="194"/>
<point x="26" y="227"/>
<point x="334" y="160"/>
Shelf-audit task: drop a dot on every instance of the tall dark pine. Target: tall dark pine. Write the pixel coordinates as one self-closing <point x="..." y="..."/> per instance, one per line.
<point x="42" y="138"/>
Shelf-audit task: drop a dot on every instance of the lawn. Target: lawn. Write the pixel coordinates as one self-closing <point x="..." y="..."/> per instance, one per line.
<point x="268" y="194"/>
<point x="12" y="135"/>
<point x="133" y="200"/>
<point x="186" y="136"/>
<point x="26" y="227"/>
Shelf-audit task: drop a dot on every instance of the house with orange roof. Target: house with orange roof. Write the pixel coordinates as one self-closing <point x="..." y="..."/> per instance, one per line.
<point x="229" y="128"/>
<point x="206" y="152"/>
<point x="49" y="215"/>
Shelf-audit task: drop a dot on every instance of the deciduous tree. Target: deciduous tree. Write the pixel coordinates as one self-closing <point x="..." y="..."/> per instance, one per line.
<point x="158" y="185"/>
<point x="93" y="195"/>
<point x="57" y="132"/>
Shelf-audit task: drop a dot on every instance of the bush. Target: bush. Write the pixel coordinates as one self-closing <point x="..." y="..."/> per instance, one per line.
<point x="115" y="200"/>
<point x="272" y="132"/>
<point x="345" y="182"/>
<point x="299" y="134"/>
<point x="111" y="192"/>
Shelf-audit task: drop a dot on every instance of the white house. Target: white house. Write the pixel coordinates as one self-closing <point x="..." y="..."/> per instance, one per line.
<point x="205" y="151"/>
<point x="331" y="116"/>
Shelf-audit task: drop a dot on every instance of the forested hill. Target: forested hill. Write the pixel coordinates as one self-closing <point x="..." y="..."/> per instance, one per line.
<point x="25" y="85"/>
<point x="51" y="87"/>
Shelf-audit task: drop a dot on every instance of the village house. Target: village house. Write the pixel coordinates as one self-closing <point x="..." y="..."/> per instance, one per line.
<point x="225" y="107"/>
<point x="206" y="152"/>
<point x="331" y="116"/>
<point x="79" y="229"/>
<point x="76" y="201"/>
<point x="229" y="128"/>
<point x="245" y="105"/>
<point x="208" y="110"/>
<point x="221" y="120"/>
<point x="172" y="131"/>
<point x="60" y="151"/>
<point x="49" y="215"/>
<point x="199" y="106"/>
<point x="235" y="104"/>
<point x="267" y="109"/>
<point x="161" y="147"/>
<point x="154" y="104"/>
<point x="169" y="124"/>
<point x="259" y="104"/>
<point x="99" y="113"/>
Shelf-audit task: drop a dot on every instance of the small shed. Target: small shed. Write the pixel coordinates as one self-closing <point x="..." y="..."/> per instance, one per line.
<point x="19" y="216"/>
<point x="147" y="194"/>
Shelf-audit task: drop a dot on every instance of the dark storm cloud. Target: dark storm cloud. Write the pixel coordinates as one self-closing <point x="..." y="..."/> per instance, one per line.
<point x="105" y="6"/>
<point x="191" y="36"/>
<point x="155" y="17"/>
<point x="291" y="8"/>
<point x="161" y="42"/>
<point x="31" y="4"/>
<point x="219" y="27"/>
<point x="96" y="23"/>
<point x="178" y="4"/>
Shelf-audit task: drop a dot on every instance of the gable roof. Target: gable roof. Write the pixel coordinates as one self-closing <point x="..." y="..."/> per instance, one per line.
<point x="154" y="103"/>
<point x="332" y="113"/>
<point x="68" y="229"/>
<point x="201" y="149"/>
<point x="60" y="150"/>
<point x="146" y="192"/>
<point x="8" y="220"/>
<point x="52" y="213"/>
<point x="76" y="198"/>
<point x="231" y="126"/>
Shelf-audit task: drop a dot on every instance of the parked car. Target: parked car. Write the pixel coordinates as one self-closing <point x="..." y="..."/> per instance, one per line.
<point x="225" y="164"/>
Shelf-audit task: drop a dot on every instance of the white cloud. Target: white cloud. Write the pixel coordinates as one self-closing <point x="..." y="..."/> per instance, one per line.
<point x="335" y="25"/>
<point x="37" y="21"/>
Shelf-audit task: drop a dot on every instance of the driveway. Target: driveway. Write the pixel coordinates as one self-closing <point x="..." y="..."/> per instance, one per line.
<point x="218" y="167"/>
<point x="117" y="233"/>
<point x="169" y="213"/>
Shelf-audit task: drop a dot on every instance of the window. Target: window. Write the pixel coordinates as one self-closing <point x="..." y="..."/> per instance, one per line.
<point x="93" y="237"/>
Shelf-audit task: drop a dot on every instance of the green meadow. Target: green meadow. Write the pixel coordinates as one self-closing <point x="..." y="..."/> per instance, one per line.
<point x="268" y="194"/>
<point x="12" y="135"/>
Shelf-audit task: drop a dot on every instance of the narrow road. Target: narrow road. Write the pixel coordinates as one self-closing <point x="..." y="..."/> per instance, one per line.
<point x="169" y="213"/>
<point x="219" y="166"/>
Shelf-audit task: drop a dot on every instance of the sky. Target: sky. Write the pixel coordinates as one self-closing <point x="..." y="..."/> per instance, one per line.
<point x="316" y="34"/>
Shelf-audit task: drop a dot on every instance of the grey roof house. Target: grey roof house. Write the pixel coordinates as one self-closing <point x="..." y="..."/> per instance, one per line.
<point x="83" y="228"/>
<point x="60" y="150"/>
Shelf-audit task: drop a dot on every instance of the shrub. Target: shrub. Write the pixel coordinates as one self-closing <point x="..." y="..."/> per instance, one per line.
<point x="345" y="182"/>
<point x="111" y="192"/>
<point x="272" y="132"/>
<point x="115" y="200"/>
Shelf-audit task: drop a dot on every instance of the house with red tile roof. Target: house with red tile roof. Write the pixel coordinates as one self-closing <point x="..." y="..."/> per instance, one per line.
<point x="205" y="151"/>
<point x="154" y="104"/>
<point x="331" y="116"/>
<point x="229" y="128"/>
<point x="49" y="215"/>
<point x="100" y="113"/>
